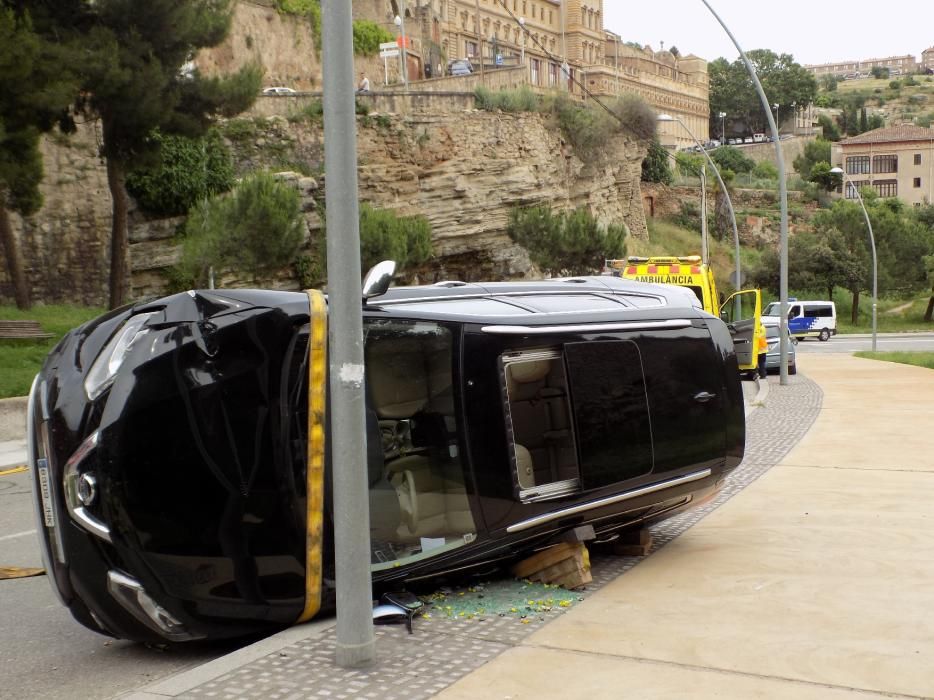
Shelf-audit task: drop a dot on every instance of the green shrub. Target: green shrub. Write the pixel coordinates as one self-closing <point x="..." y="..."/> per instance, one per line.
<point x="688" y="216"/>
<point x="573" y="243"/>
<point x="635" y="116"/>
<point x="385" y="236"/>
<point x="655" y="167"/>
<point x="256" y="229"/>
<point x="312" y="112"/>
<point x="689" y="164"/>
<point x="521" y="100"/>
<point x="765" y="170"/>
<point x="732" y="158"/>
<point x="240" y="130"/>
<point x="188" y="170"/>
<point x="367" y="36"/>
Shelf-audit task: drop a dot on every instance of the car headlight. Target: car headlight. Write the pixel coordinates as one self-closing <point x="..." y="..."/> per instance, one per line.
<point x="105" y="367"/>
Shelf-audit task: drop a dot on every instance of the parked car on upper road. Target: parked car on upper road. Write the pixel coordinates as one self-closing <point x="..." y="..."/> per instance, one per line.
<point x="279" y="91"/>
<point x="460" y="66"/>
<point x="179" y="446"/>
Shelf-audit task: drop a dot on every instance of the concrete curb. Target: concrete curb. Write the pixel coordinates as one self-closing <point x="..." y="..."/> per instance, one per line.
<point x="13" y="418"/>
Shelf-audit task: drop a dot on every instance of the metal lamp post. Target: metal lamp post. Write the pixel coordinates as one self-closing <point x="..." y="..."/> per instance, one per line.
<point x="399" y="22"/>
<point x="726" y="193"/>
<point x="783" y="198"/>
<point x="722" y="116"/>
<point x="872" y="244"/>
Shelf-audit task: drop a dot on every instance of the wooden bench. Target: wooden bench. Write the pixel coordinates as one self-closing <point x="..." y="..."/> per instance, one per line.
<point x="22" y="330"/>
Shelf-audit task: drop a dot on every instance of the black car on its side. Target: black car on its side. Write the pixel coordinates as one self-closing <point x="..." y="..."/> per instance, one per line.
<point x="180" y="459"/>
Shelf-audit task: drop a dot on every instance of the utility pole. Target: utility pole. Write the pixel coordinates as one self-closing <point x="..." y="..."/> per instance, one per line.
<point x="480" y="43"/>
<point x="356" y="646"/>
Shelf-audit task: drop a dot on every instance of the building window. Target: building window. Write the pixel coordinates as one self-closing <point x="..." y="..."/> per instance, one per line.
<point x="917" y="182"/>
<point x="470" y="49"/>
<point x="852" y="188"/>
<point x="552" y="74"/>
<point x="886" y="188"/>
<point x="857" y="165"/>
<point x="535" y="65"/>
<point x="885" y="164"/>
<point x="917" y="159"/>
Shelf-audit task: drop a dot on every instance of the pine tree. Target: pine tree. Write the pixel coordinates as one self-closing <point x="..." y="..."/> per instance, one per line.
<point x="134" y="79"/>
<point x="35" y="88"/>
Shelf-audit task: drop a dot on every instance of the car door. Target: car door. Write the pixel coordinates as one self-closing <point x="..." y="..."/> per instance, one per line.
<point x="742" y="312"/>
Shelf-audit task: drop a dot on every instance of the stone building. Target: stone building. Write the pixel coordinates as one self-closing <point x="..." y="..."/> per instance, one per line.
<point x="862" y="67"/>
<point x="927" y="59"/>
<point x="896" y="161"/>
<point x="560" y="44"/>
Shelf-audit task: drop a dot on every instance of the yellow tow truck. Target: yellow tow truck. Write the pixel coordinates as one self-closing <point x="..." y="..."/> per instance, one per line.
<point x="741" y="311"/>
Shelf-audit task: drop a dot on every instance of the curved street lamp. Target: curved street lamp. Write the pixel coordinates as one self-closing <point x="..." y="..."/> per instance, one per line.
<point x="726" y="193"/>
<point x="872" y="243"/>
<point x="783" y="199"/>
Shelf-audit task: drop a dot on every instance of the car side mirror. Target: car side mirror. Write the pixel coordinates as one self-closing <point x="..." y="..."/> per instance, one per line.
<point x="378" y="279"/>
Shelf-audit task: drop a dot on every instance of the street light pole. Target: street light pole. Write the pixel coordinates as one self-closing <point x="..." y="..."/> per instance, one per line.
<point x="783" y="198"/>
<point x="726" y="193"/>
<point x="872" y="244"/>
<point x="356" y="644"/>
<point x="722" y="131"/>
<point x="480" y="44"/>
<point x="400" y="22"/>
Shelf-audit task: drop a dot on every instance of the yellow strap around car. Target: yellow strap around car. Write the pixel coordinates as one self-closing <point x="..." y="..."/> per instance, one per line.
<point x="14" y="470"/>
<point x="8" y="572"/>
<point x="317" y="397"/>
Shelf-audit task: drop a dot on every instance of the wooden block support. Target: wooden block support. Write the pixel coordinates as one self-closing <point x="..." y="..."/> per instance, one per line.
<point x="565" y="564"/>
<point x="633" y="543"/>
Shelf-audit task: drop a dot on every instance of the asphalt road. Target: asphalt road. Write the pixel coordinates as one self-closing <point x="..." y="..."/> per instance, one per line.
<point x="44" y="653"/>
<point x="884" y="342"/>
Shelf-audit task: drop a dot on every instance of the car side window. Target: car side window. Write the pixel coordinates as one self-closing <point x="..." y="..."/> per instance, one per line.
<point x="418" y="498"/>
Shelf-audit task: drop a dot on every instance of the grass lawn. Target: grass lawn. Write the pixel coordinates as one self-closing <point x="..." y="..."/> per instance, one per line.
<point x="920" y="359"/>
<point x="20" y="360"/>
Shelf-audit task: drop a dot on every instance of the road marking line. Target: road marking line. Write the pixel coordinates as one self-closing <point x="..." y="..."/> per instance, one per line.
<point x="14" y="470"/>
<point x="17" y="534"/>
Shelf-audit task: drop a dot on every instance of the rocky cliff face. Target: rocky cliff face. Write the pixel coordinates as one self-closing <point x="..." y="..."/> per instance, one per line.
<point x="282" y="44"/>
<point x="463" y="171"/>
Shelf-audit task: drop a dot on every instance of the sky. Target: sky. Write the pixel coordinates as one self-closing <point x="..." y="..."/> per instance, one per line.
<point x="813" y="31"/>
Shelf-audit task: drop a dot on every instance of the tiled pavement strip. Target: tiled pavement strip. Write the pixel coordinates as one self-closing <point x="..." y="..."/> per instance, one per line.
<point x="442" y="650"/>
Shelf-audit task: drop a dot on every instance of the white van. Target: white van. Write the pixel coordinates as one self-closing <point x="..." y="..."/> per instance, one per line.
<point x="807" y="318"/>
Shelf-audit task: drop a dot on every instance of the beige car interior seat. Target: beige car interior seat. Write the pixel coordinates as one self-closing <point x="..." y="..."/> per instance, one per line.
<point x="411" y="376"/>
<point x="538" y="403"/>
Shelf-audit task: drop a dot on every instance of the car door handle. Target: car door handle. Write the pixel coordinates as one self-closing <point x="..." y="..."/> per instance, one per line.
<point x="704" y="396"/>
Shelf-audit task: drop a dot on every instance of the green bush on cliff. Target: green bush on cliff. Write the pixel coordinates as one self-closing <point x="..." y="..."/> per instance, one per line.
<point x="385" y="236"/>
<point x="188" y="170"/>
<point x="565" y="243"/>
<point x="256" y="229"/>
<point x="521" y="100"/>
<point x="590" y="129"/>
<point x="367" y="36"/>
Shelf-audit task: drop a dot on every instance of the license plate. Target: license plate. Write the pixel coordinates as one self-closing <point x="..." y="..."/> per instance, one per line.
<point x="48" y="513"/>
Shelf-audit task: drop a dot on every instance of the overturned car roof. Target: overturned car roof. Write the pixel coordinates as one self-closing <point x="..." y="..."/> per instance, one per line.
<point x="571" y="295"/>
